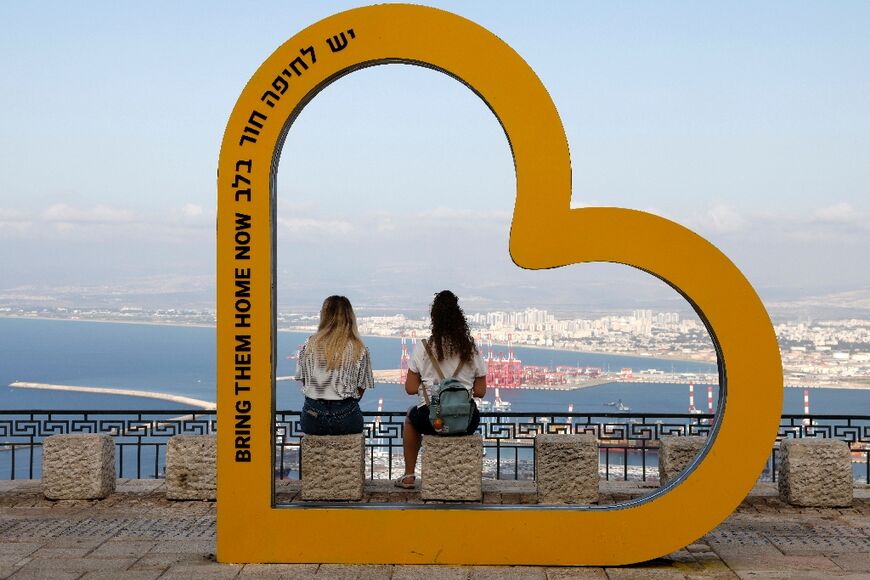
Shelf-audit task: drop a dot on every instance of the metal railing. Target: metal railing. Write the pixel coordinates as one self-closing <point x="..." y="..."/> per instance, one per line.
<point x="140" y="437"/>
<point x="628" y="442"/>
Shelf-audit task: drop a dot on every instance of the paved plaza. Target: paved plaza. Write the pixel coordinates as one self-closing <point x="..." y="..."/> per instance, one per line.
<point x="136" y="533"/>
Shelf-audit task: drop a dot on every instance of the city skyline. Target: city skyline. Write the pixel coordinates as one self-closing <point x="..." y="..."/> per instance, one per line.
<point x="832" y="353"/>
<point x="746" y="123"/>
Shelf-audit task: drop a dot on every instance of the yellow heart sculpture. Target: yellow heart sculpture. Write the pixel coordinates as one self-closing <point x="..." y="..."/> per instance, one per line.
<point x="545" y="233"/>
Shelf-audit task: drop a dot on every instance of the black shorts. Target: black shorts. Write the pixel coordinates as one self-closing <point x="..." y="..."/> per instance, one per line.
<point x="419" y="418"/>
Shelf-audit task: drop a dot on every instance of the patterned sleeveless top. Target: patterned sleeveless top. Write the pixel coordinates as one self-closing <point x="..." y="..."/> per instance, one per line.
<point x="343" y="382"/>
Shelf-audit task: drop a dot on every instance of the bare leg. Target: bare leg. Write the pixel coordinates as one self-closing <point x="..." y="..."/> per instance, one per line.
<point x="411" y="441"/>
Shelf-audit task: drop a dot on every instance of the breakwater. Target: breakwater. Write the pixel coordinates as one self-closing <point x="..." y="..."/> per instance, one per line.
<point x="206" y="405"/>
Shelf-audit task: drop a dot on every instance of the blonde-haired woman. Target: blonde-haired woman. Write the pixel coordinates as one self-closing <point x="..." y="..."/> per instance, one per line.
<point x="335" y="370"/>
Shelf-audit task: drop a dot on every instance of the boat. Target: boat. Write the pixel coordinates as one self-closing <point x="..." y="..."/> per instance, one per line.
<point x="620" y="406"/>
<point x="499" y="404"/>
<point x="502" y="405"/>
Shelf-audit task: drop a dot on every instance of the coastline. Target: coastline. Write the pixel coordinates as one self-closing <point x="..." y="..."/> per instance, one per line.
<point x="845" y="385"/>
<point x="615" y="353"/>
<point x="302" y="331"/>
<point x="556" y="349"/>
<point x="104" y="321"/>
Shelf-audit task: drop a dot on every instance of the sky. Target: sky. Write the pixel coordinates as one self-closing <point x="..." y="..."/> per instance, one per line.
<point x="747" y="122"/>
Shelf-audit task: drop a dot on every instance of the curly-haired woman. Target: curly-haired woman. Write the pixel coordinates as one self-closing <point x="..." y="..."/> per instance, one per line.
<point x="335" y="369"/>
<point x="452" y="345"/>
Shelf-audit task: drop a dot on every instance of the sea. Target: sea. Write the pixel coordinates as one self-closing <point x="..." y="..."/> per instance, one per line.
<point x="180" y="360"/>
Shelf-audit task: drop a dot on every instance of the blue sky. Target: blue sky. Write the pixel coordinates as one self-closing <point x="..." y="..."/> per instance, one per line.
<point x="747" y="122"/>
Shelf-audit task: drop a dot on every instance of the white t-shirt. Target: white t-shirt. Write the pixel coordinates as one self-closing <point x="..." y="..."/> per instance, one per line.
<point x="421" y="365"/>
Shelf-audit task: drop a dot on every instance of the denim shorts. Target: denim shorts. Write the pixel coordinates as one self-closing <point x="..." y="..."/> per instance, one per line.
<point x="323" y="417"/>
<point x="419" y="418"/>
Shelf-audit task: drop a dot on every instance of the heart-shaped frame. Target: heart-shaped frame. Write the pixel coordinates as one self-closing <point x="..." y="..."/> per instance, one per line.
<point x="545" y="233"/>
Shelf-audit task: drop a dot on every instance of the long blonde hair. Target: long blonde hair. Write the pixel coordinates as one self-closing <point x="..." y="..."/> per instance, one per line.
<point x="337" y="329"/>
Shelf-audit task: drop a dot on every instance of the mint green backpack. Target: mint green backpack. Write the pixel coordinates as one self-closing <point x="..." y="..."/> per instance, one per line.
<point x="452" y="405"/>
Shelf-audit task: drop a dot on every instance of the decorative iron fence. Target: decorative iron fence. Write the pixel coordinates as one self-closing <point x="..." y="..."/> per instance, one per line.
<point x="628" y="442"/>
<point x="140" y="437"/>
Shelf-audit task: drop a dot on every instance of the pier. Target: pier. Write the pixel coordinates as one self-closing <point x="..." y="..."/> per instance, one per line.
<point x="198" y="403"/>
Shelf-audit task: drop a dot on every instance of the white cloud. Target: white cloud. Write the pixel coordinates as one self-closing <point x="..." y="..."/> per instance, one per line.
<point x="192" y="210"/>
<point x="840" y="213"/>
<point x="300" y="222"/>
<point x="12" y="215"/>
<point x="385" y="223"/>
<point x="14" y="223"/>
<point x="724" y="219"/>
<point x="839" y="221"/>
<point x="191" y="217"/>
<point x="301" y="227"/>
<point x="307" y="208"/>
<point x="99" y="214"/>
<point x="103" y="223"/>
<point x="464" y="215"/>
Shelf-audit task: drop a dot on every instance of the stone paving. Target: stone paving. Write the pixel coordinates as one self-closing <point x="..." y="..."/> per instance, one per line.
<point x="137" y="533"/>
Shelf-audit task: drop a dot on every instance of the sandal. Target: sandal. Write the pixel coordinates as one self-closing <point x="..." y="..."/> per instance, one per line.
<point x="403" y="481"/>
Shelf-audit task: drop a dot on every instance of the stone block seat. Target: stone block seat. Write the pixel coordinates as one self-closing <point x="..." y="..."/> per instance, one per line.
<point x="452" y="468"/>
<point x="815" y="472"/>
<point x="191" y="467"/>
<point x="333" y="467"/>
<point x="79" y="466"/>
<point x="676" y="453"/>
<point x="566" y="468"/>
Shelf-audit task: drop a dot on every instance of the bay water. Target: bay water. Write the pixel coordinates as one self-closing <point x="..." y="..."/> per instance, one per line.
<point x="180" y="360"/>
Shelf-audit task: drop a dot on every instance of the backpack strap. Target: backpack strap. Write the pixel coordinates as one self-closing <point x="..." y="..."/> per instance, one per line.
<point x="437" y="369"/>
<point x="432" y="359"/>
<point x="425" y="394"/>
<point x="437" y="366"/>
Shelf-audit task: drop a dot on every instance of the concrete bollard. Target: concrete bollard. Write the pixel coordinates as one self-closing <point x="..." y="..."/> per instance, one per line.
<point x="333" y="467"/>
<point x="676" y="453"/>
<point x="452" y="468"/>
<point x="566" y="468"/>
<point x="191" y="467"/>
<point x="815" y="472"/>
<point x="78" y="466"/>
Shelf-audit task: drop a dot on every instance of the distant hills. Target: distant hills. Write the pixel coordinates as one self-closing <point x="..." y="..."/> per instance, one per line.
<point x="566" y="296"/>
